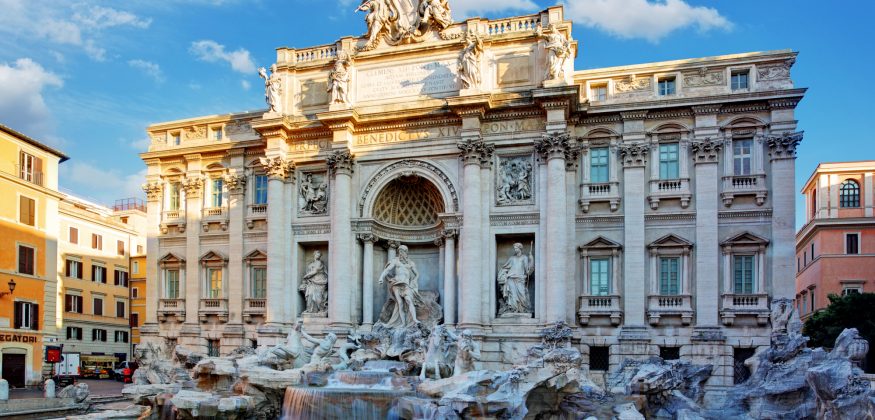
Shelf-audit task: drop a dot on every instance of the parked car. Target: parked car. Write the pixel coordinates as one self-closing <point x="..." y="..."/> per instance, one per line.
<point x="124" y="371"/>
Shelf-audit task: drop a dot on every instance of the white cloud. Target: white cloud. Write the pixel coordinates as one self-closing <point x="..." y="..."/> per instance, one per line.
<point x="140" y="145"/>
<point x="98" y="17"/>
<point x="151" y="69"/>
<point x="245" y="84"/>
<point x="212" y="52"/>
<point x="468" y="8"/>
<point x="650" y="20"/>
<point x="79" y="175"/>
<point x="22" y="105"/>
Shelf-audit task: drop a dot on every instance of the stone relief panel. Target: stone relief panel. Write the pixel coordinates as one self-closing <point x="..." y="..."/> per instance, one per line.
<point x="313" y="194"/>
<point x="514" y="184"/>
<point x="515" y="268"/>
<point x="632" y="85"/>
<point x="313" y="280"/>
<point x="313" y="93"/>
<point x="514" y="71"/>
<point x="704" y="78"/>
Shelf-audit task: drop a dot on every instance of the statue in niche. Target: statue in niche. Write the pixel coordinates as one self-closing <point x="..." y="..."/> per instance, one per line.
<point x="273" y="89"/>
<point x="558" y="49"/>
<point x="314" y="284"/>
<point x="314" y="195"/>
<point x="469" y="61"/>
<point x="402" y="276"/>
<point x="338" y="79"/>
<point x="514" y="281"/>
<point x="515" y="181"/>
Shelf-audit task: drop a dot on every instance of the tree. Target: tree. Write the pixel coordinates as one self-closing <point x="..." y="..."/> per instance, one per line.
<point x="855" y="310"/>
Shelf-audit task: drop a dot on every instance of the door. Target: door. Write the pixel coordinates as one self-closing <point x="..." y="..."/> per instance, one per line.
<point x="13" y="369"/>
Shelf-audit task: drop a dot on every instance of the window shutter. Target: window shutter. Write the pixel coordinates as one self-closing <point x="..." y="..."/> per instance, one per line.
<point x="93" y="335"/>
<point x="93" y="273"/>
<point x="34" y="317"/>
<point x="37" y="170"/>
<point x="93" y="241"/>
<point x="17" y="316"/>
<point x="79" y="302"/>
<point x="68" y="306"/>
<point x="31" y="212"/>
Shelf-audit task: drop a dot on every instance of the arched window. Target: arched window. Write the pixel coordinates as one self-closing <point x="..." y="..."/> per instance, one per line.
<point x="849" y="195"/>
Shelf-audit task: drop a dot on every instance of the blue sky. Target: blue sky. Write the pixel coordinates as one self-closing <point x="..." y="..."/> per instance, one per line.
<point x="88" y="76"/>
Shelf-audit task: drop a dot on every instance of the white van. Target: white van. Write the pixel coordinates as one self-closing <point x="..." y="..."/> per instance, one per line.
<point x="69" y="366"/>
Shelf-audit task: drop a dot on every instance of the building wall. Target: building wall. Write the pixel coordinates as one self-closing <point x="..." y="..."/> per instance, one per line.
<point x="138" y="299"/>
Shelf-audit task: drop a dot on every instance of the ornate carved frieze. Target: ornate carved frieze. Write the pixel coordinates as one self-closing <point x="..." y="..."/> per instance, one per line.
<point x="634" y="115"/>
<point x="341" y="161"/>
<point x="783" y="146"/>
<point x="703" y="78"/>
<point x="519" y="219"/>
<point x="235" y="183"/>
<point x="602" y="119"/>
<point x="707" y="109"/>
<point x="554" y="146"/>
<point x="786" y="103"/>
<point x="313" y="194"/>
<point x="706" y="151"/>
<point x="153" y="190"/>
<point x="634" y="154"/>
<point x="312" y="229"/>
<point x="744" y="108"/>
<point x="195" y="133"/>
<point x="780" y="71"/>
<point x="193" y="186"/>
<point x="514" y="184"/>
<point x="277" y="167"/>
<point x="632" y="84"/>
<point x="239" y="127"/>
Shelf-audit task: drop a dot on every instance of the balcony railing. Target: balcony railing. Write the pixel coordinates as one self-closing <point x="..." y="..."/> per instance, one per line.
<point x="258" y="210"/>
<point x="736" y="304"/>
<point x="670" y="305"/>
<point x="171" y="308"/>
<point x="600" y="192"/>
<point x="599" y="306"/>
<point x="662" y="189"/>
<point x="213" y="213"/>
<point x="736" y="185"/>
<point x="173" y="215"/>
<point x="254" y="308"/>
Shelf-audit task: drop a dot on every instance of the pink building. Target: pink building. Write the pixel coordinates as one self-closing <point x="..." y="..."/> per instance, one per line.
<point x="835" y="250"/>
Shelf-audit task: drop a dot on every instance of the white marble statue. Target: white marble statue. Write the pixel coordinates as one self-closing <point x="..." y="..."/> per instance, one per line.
<point x="314" y="195"/>
<point x="273" y="89"/>
<point x="292" y="352"/>
<point x="558" y="49"/>
<point x="401" y="21"/>
<point x="467" y="352"/>
<point x="513" y="278"/>
<point x="338" y="79"/>
<point x="402" y="276"/>
<point x="514" y="185"/>
<point x="469" y="61"/>
<point x="437" y="11"/>
<point x="322" y="351"/>
<point x="436" y="352"/>
<point x="314" y="284"/>
<point x="377" y="18"/>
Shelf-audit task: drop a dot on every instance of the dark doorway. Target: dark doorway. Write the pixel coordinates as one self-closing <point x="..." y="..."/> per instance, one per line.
<point x="13" y="369"/>
<point x="740" y="372"/>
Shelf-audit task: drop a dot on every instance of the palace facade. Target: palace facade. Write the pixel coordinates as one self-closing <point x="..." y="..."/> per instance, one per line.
<point x="653" y="204"/>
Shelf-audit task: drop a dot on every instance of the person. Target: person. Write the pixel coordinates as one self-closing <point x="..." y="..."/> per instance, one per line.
<point x="402" y="276"/>
<point x="513" y="279"/>
<point x="315" y="285"/>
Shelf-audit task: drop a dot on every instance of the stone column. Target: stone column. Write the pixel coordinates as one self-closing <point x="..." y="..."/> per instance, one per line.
<point x="633" y="157"/>
<point x="236" y="184"/>
<point x="154" y="194"/>
<point x="572" y="164"/>
<point x="782" y="152"/>
<point x="472" y="247"/>
<point x="705" y="156"/>
<point x="449" y="276"/>
<point x="486" y="154"/>
<point x="368" y="279"/>
<point x="552" y="148"/>
<point x="340" y="280"/>
<point x="277" y="168"/>
<point x="193" y="186"/>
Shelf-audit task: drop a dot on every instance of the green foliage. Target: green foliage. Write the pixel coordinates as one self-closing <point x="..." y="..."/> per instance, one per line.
<point x="851" y="311"/>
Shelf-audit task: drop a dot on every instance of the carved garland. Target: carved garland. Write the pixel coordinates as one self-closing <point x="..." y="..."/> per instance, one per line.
<point x="375" y="180"/>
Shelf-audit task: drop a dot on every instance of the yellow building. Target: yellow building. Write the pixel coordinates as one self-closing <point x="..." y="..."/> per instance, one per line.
<point x="138" y="295"/>
<point x="29" y="319"/>
<point x="95" y="247"/>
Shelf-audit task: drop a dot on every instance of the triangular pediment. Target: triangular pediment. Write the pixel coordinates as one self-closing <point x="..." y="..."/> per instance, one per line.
<point x="213" y="256"/>
<point x="171" y="258"/>
<point x="601" y="243"/>
<point x="670" y="240"/>
<point x="255" y="255"/>
<point x="745" y="238"/>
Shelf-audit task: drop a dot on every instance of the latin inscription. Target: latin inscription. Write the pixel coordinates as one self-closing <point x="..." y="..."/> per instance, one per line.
<point x="512" y="126"/>
<point x="409" y="135"/>
<point x="405" y="80"/>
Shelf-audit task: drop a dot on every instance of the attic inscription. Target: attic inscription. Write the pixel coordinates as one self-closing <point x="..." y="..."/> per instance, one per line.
<point x="398" y="81"/>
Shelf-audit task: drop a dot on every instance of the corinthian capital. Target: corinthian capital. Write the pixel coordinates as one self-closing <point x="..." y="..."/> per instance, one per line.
<point x="193" y="185"/>
<point x="634" y="154"/>
<point x="471" y="151"/>
<point x="554" y="146"/>
<point x="341" y="161"/>
<point x="706" y="151"/>
<point x="153" y="190"/>
<point x="235" y="183"/>
<point x="783" y="146"/>
<point x="277" y="167"/>
<point x="486" y="152"/>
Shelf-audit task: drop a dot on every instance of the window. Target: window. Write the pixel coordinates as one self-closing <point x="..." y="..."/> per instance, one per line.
<point x="600" y="276"/>
<point x="216" y="188"/>
<point x="669" y="276"/>
<point x="741" y="373"/>
<point x="98" y="274"/>
<point x="120" y="309"/>
<point x="259" y="282"/>
<point x="31" y="168"/>
<point x="598" y="165"/>
<point x="26" y="316"/>
<point x="599" y="92"/>
<point x="214" y="288"/>
<point x="74" y="236"/>
<point x="139" y="249"/>
<point x="599" y="358"/>
<point x="120" y="247"/>
<point x="121" y="336"/>
<point x="812" y="251"/>
<point x="73" y="269"/>
<point x="96" y="241"/>
<point x="136" y="267"/>
<point x="743" y="274"/>
<point x="213" y="348"/>
<point x="852" y="290"/>
<point x="813" y="303"/>
<point x="176" y="139"/>
<point x="852" y="243"/>
<point x="171" y="284"/>
<point x="135" y="320"/>
<point x="74" y="333"/>
<point x="26" y="260"/>
<point x="98" y="306"/>
<point x="173" y="195"/>
<point x="98" y="335"/>
<point x="121" y="278"/>
<point x="739" y="80"/>
<point x="670" y="353"/>
<point x="668" y="161"/>
<point x="260" y="189"/>
<point x="217" y="134"/>
<point x="27" y="211"/>
<point x="135" y="292"/>
<point x="742" y="156"/>
<point x="666" y="86"/>
<point x="849" y="194"/>
<point x="73" y="303"/>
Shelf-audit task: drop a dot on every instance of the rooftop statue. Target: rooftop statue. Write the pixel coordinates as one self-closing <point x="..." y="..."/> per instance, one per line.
<point x="273" y="89"/>
<point x="404" y="21"/>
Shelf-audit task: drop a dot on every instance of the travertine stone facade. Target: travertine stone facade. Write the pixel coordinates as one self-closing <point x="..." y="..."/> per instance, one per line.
<point x="638" y="190"/>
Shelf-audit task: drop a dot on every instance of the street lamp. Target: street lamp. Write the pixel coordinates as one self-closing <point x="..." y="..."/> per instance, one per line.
<point x="11" y="288"/>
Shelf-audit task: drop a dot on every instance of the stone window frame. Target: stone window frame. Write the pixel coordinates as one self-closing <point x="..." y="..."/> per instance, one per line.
<point x="596" y="83"/>
<point x="599" y="138"/>
<point x="859" y="236"/>
<point x="667" y="133"/>
<point x="213" y="260"/>
<point x="751" y="77"/>
<point x="171" y="176"/>
<point x="674" y="76"/>
<point x="857" y="285"/>
<point x="671" y="246"/>
<point x="744" y="243"/>
<point x="255" y="259"/>
<point x="171" y="261"/>
<point x="849" y="198"/>
<point x="215" y="172"/>
<point x="602" y="247"/>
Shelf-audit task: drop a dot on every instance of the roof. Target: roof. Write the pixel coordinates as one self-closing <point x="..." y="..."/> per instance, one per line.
<point x="34" y="143"/>
<point x="838" y="167"/>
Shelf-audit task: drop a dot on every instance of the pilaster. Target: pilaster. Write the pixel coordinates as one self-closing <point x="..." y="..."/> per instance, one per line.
<point x="633" y="157"/>
<point x="193" y="186"/>
<point x="235" y="183"/>
<point x="340" y="247"/>
<point x="154" y="194"/>
<point x="278" y="168"/>
<point x="782" y="152"/>
<point x="470" y="283"/>
<point x="705" y="157"/>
